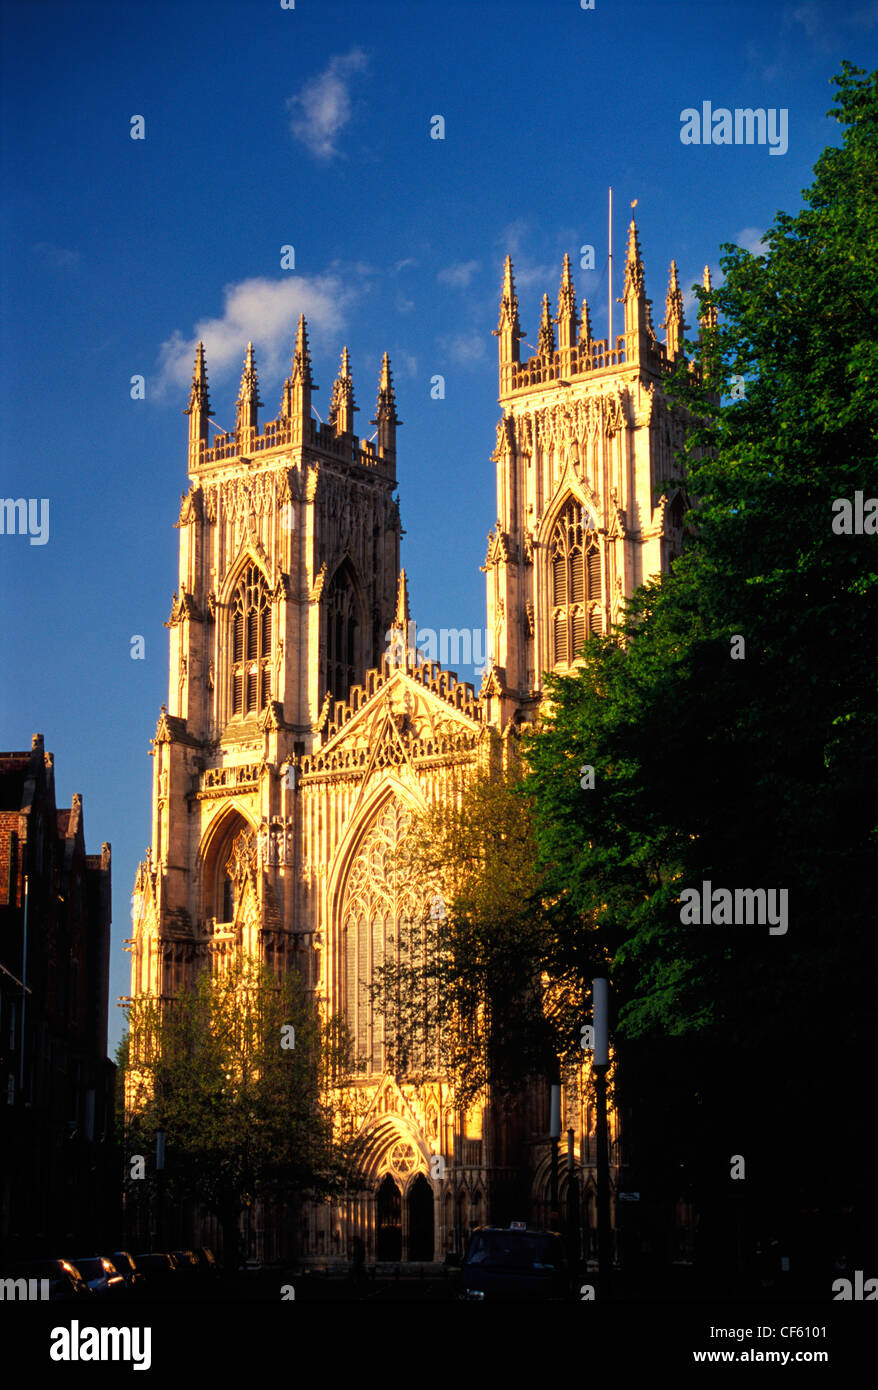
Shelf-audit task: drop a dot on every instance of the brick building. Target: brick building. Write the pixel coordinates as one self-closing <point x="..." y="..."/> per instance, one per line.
<point x="58" y="1168"/>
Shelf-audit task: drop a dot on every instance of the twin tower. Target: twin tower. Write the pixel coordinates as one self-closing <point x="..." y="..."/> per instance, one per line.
<point x="294" y="749"/>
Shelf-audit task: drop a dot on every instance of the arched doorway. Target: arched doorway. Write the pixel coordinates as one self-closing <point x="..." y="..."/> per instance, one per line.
<point x="388" y="1244"/>
<point x="420" y="1205"/>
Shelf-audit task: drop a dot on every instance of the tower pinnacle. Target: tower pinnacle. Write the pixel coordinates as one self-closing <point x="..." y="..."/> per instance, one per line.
<point x="248" y="402"/>
<point x="386" y="417"/>
<point x="341" y="406"/>
<point x="673" y="324"/>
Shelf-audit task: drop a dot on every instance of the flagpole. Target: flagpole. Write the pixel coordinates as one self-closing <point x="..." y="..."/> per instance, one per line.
<point x="610" y="277"/>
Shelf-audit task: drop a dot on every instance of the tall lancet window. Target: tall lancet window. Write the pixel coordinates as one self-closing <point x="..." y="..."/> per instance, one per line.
<point x="251" y="643"/>
<point x="575" y="561"/>
<point x="381" y="915"/>
<point x="341" y="635"/>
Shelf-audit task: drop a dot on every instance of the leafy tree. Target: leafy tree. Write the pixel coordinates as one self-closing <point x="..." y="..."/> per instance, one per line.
<point x="464" y="987"/>
<point x="239" y="1072"/>
<point x="753" y="772"/>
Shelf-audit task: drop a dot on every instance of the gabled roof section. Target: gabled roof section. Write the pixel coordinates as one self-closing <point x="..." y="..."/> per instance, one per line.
<point x="400" y="717"/>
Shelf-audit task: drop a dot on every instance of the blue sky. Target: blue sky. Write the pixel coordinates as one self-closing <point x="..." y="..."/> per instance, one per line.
<point x="310" y="127"/>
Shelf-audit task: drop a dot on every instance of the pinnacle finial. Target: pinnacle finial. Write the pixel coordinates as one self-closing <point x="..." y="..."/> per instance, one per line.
<point x="673" y="324"/>
<point x="198" y="394"/>
<point x="707" y="317"/>
<point x="302" y="355"/>
<point x="402" y="616"/>
<point x="585" y="327"/>
<point x="633" y="263"/>
<point x="386" y="417"/>
<point x="566" y="315"/>
<point x="248" y="401"/>
<point x="508" y="302"/>
<point x="341" y="406"/>
<point x="546" y="336"/>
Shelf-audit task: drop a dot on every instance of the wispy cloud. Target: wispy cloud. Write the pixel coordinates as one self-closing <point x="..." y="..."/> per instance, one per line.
<point x="323" y="107"/>
<point x="262" y="311"/>
<point x="465" y="347"/>
<point x="822" y="24"/>
<point x="459" y="274"/>
<point x="751" y="238"/>
<point x="55" y="257"/>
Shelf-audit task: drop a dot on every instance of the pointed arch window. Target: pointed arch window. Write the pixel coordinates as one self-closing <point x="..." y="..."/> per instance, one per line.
<point x="381" y="912"/>
<point x="341" y="635"/>
<point x="251" y="643"/>
<point x="575" y="582"/>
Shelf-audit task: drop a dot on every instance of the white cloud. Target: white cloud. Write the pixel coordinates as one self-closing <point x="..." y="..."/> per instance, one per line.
<point x="750" y="239"/>
<point x="323" y="107"/>
<point x="56" y="257"/>
<point x="465" y="347"/>
<point x="403" y="364"/>
<point x="459" y="274"/>
<point x="265" y="312"/>
<point x="404" y="264"/>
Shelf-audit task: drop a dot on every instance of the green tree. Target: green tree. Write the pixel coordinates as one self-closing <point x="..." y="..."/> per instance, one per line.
<point x="240" y="1073"/>
<point x="753" y="772"/>
<point x="465" y="986"/>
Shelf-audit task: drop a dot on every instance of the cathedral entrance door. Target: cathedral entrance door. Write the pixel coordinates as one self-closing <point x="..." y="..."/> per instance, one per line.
<point x="420" y="1204"/>
<point x="388" y="1245"/>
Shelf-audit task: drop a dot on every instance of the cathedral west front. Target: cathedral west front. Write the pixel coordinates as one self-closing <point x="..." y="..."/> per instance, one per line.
<point x="303" y="731"/>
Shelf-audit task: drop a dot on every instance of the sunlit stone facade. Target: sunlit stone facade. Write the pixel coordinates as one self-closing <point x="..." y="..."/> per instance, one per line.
<point x="294" y="748"/>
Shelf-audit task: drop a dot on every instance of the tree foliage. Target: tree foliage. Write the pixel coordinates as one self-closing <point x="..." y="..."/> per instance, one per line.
<point x="239" y="1072"/>
<point x="755" y="772"/>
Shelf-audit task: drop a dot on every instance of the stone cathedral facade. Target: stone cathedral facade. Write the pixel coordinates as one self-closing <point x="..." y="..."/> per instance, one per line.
<point x="298" y="741"/>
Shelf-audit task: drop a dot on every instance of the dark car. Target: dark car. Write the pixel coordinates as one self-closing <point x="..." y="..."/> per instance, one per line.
<point x="101" y="1275"/>
<point x="514" y="1264"/>
<point x="161" y="1273"/>
<point x="187" y="1264"/>
<point x="135" y="1280"/>
<point x="65" y="1282"/>
<point x="207" y="1264"/>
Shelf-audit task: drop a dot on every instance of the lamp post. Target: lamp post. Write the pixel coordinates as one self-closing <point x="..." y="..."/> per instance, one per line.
<point x="601" y="1063"/>
<point x="160" y="1178"/>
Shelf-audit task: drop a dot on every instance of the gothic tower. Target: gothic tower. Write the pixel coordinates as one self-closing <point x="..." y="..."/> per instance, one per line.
<point x="586" y="437"/>
<point x="289" y="557"/>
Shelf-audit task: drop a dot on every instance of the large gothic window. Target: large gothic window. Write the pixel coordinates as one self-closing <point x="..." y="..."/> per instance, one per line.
<point x="341" y="631"/>
<point x="575" y="578"/>
<point x="251" y="643"/>
<point x="382" y="910"/>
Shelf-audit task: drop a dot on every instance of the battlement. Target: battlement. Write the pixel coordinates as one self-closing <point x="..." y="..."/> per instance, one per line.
<point x="281" y="433"/>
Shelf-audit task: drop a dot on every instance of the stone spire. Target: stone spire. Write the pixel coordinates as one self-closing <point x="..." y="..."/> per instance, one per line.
<point x="638" y="319"/>
<point x="385" y="411"/>
<point x="342" y="407"/>
<point x="248" y="402"/>
<point x="296" y="403"/>
<point x="402" y="617"/>
<point x="566" y="316"/>
<point x="198" y="408"/>
<point x="585" y="338"/>
<point x="673" y="325"/>
<point x="707" y="318"/>
<point x="546" y="336"/>
<point x="401" y="649"/>
<point x="508" y="329"/>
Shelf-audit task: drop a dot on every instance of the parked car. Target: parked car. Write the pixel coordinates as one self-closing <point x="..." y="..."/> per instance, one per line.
<point x="101" y="1275"/>
<point x="207" y="1262"/>
<point x="135" y="1280"/>
<point x="65" y="1280"/>
<point x="161" y="1273"/>
<point x="514" y="1264"/>
<point x="187" y="1264"/>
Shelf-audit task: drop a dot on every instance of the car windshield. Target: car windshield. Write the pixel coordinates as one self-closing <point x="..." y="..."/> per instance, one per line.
<point x="90" y="1269"/>
<point x="513" y="1250"/>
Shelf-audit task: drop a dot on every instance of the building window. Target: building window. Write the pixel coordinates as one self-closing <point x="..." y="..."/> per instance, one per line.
<point x="251" y="643"/>
<point x="341" y="634"/>
<point x="380" y="906"/>
<point x="575" y="562"/>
